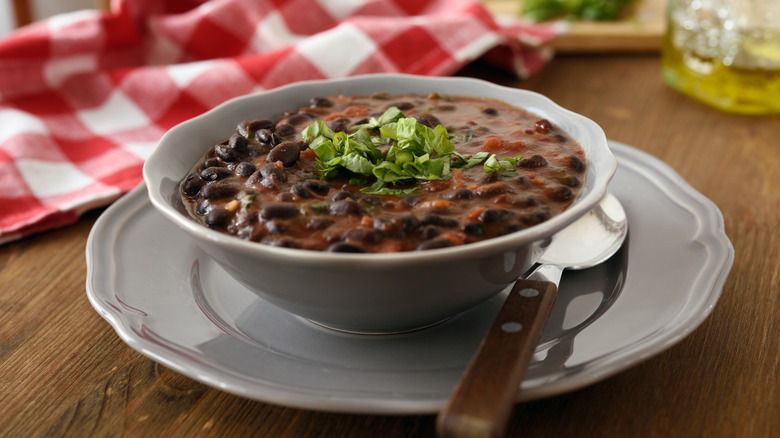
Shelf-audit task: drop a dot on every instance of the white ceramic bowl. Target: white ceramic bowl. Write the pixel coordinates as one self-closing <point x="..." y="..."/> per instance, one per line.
<point x="370" y="292"/>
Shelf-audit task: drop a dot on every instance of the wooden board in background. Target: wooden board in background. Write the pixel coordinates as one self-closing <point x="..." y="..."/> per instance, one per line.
<point x="641" y="31"/>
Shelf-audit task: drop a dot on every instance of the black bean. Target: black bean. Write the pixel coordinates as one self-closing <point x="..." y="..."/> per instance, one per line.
<point x="491" y="190"/>
<point x="490" y="111"/>
<point x="203" y="208"/>
<point x="526" y="201"/>
<point x="269" y="169"/>
<point x="245" y="169"/>
<point x="279" y="211"/>
<point x="543" y="126"/>
<point x="286" y="152"/>
<point x="367" y="235"/>
<point x="403" y="106"/>
<point x="319" y="187"/>
<point x="258" y="124"/>
<point x="343" y="194"/>
<point x="284" y="129"/>
<point x="238" y="143"/>
<point x="435" y="244"/>
<point x="345" y="207"/>
<point x="523" y="182"/>
<point x="372" y="200"/>
<point x="576" y="164"/>
<point x="435" y="219"/>
<point x="320" y="102"/>
<point x="407" y="222"/>
<point x="569" y="180"/>
<point x="492" y="215"/>
<point x="445" y="107"/>
<point x="535" y="217"/>
<point x="429" y="232"/>
<point x="346" y="247"/>
<point x="511" y="228"/>
<point x="432" y="219"/>
<point x="225" y="153"/>
<point x="427" y="119"/>
<point x="268" y="182"/>
<point x="318" y="223"/>
<point x="219" y="190"/>
<point x="267" y="136"/>
<point x="561" y="194"/>
<point x="473" y="228"/>
<point x="297" y="119"/>
<point x="192" y="185"/>
<point x="211" y="162"/>
<point x="216" y="217"/>
<point x="215" y="173"/>
<point x="459" y="194"/>
<point x="300" y="191"/>
<point x="254" y="179"/>
<point x="491" y="177"/>
<point x="532" y="163"/>
<point x="339" y="125"/>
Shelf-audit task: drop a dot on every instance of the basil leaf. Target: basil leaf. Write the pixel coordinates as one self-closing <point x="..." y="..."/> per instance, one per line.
<point x="316" y="129"/>
<point x="388" y="171"/>
<point x="324" y="149"/>
<point x="504" y="166"/>
<point x="440" y="141"/>
<point x="357" y="163"/>
<point x="415" y="151"/>
<point x="392" y="114"/>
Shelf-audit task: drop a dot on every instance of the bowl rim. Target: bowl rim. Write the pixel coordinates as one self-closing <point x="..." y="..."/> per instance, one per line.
<point x="494" y="245"/>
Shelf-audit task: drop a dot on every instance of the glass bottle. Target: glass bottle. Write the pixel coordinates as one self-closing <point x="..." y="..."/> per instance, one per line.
<point x="725" y="53"/>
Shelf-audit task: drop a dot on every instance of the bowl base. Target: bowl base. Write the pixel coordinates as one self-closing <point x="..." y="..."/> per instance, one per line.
<point x="372" y="332"/>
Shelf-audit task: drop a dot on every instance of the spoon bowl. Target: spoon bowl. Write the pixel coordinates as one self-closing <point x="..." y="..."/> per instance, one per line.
<point x="483" y="399"/>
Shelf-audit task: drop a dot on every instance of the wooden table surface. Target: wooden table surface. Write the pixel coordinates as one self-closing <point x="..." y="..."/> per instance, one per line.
<point x="64" y="371"/>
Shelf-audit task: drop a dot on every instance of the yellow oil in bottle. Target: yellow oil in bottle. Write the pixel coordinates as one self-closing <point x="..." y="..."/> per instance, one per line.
<point x="737" y="72"/>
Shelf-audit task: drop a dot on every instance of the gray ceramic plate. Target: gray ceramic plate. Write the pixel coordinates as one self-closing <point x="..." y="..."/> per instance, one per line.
<point x="170" y="302"/>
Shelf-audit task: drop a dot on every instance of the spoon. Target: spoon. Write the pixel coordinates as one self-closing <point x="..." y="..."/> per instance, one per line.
<point x="483" y="399"/>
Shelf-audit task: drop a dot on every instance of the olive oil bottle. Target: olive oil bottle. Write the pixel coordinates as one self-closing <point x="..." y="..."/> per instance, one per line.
<point x="725" y="53"/>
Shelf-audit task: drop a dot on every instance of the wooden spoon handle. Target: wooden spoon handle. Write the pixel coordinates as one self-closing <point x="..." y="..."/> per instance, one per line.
<point x="484" y="398"/>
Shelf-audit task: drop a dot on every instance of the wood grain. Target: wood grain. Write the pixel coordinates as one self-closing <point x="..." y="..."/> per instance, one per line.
<point x="482" y="401"/>
<point x="640" y="30"/>
<point x="64" y="372"/>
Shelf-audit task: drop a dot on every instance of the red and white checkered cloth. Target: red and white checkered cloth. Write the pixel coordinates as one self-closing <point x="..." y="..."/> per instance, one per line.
<point x="84" y="97"/>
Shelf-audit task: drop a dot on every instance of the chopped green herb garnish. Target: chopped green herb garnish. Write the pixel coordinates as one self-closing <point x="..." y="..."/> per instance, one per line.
<point x="247" y="200"/>
<point x="319" y="207"/>
<point x="414" y="152"/>
<point x="505" y="166"/>
<point x="600" y="10"/>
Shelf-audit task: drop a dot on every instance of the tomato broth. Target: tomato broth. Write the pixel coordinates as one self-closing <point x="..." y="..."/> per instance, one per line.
<point x="386" y="173"/>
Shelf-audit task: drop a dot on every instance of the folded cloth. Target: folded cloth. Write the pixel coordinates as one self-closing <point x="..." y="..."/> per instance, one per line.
<point x="85" y="96"/>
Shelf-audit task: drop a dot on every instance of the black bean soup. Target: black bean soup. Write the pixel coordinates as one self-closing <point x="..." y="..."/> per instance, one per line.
<point x="379" y="173"/>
